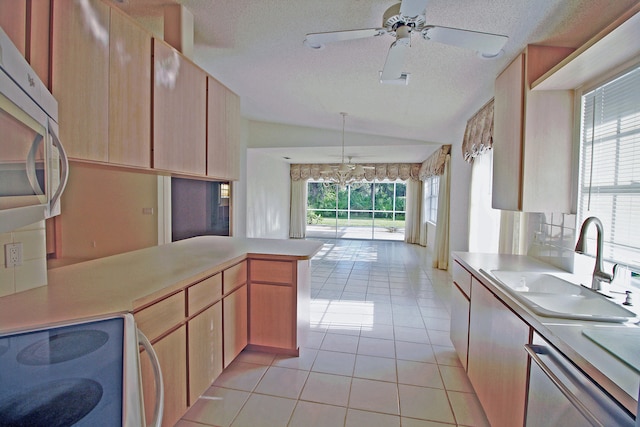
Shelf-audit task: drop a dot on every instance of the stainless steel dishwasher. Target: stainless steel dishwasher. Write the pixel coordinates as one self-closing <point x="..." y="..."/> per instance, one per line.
<point x="560" y="394"/>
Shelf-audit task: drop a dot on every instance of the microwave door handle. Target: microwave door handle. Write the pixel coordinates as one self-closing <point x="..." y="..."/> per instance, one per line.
<point x="534" y="351"/>
<point x="157" y="373"/>
<point x="31" y="165"/>
<point x="64" y="167"/>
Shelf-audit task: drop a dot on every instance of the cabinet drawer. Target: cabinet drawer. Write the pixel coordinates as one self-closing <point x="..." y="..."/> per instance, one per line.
<point x="158" y="318"/>
<point x="233" y="277"/>
<point x="204" y="293"/>
<point x="271" y="271"/>
<point x="462" y="278"/>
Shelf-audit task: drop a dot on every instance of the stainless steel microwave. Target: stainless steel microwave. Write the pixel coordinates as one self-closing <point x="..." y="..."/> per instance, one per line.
<point x="33" y="164"/>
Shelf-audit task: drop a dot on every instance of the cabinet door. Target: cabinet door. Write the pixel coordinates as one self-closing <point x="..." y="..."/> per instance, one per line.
<point x="460" y="323"/>
<point x="129" y="93"/>
<point x="217" y="143"/>
<point x="13" y="20"/>
<point x="272" y="320"/>
<point x="497" y="365"/>
<point x="233" y="135"/>
<point x="80" y="76"/>
<point x="235" y="321"/>
<point x="172" y="355"/>
<point x="507" y="136"/>
<point x="205" y="350"/>
<point x="40" y="37"/>
<point x="223" y="136"/>
<point x="179" y="112"/>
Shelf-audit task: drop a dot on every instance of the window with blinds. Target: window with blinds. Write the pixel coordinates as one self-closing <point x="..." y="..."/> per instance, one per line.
<point x="609" y="185"/>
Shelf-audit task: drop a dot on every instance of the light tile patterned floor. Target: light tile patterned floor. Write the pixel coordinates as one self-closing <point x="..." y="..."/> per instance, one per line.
<point x="378" y="352"/>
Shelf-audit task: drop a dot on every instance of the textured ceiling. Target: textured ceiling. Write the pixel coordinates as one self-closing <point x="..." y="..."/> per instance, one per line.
<point x="255" y="48"/>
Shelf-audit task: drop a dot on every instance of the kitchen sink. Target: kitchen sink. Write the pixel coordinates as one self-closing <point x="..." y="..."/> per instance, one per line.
<point x="550" y="296"/>
<point x="535" y="282"/>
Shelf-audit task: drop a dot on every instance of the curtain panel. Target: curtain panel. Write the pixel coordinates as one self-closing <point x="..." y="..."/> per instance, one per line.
<point x="478" y="136"/>
<point x="434" y="165"/>
<point x="372" y="171"/>
<point x="414" y="216"/>
<point x="298" y="213"/>
<point x="441" y="249"/>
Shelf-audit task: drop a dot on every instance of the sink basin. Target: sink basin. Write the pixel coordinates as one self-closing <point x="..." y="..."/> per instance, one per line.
<point x="551" y="296"/>
<point x="535" y="282"/>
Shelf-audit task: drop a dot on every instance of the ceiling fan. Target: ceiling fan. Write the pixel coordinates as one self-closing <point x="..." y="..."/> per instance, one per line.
<point x="400" y="21"/>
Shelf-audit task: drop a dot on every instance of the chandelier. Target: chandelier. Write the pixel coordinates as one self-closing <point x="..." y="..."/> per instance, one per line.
<point x="345" y="173"/>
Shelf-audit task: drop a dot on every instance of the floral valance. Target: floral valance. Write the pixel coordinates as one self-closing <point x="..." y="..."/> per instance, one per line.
<point x="434" y="165"/>
<point x="478" y="136"/>
<point x="368" y="172"/>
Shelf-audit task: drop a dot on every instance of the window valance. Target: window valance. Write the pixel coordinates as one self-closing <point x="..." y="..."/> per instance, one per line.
<point x="478" y="136"/>
<point x="434" y="165"/>
<point x="379" y="171"/>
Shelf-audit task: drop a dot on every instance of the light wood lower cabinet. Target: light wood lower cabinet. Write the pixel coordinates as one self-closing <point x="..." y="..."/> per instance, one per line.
<point x="163" y="324"/>
<point x="235" y="322"/>
<point x="460" y="297"/>
<point x="205" y="350"/>
<point x="459" y="330"/>
<point x="497" y="365"/>
<point x="199" y="330"/>
<point x="272" y="316"/>
<point x="204" y="308"/>
<point x="173" y="363"/>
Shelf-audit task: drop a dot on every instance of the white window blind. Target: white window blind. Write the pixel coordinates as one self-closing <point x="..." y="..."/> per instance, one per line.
<point x="610" y="165"/>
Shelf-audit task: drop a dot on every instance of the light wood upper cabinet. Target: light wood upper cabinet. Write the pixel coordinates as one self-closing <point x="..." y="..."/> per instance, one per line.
<point x="129" y="93"/>
<point x="223" y="131"/>
<point x="497" y="363"/>
<point x="532" y="137"/>
<point x="13" y="20"/>
<point x="39" y="38"/>
<point x="80" y="77"/>
<point x="179" y="112"/>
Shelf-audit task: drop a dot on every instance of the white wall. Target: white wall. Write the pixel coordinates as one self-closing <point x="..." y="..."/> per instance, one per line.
<point x="267" y="196"/>
<point x="239" y="188"/>
<point x="459" y="212"/>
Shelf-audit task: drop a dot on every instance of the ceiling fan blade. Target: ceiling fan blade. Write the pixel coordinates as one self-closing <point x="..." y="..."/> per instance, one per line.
<point x="412" y="8"/>
<point x="317" y="40"/>
<point x="395" y="60"/>
<point x="485" y="43"/>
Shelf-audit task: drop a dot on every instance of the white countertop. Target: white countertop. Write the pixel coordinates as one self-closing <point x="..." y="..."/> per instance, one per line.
<point x="126" y="281"/>
<point x="615" y="376"/>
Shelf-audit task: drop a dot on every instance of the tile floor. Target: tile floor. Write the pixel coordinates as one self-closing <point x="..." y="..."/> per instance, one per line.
<point x="377" y="354"/>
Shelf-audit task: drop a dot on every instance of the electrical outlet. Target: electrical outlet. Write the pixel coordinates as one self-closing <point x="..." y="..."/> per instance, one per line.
<point x="13" y="254"/>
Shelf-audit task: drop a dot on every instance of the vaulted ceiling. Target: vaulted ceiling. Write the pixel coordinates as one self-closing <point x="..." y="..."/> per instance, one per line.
<point x="255" y="47"/>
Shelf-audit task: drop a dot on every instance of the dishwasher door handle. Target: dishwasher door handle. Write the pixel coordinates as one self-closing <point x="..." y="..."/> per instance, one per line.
<point x="157" y="373"/>
<point x="535" y="351"/>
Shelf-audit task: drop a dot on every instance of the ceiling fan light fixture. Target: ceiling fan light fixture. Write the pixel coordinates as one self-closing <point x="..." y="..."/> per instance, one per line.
<point x="403" y="80"/>
<point x="484" y="55"/>
<point x="313" y="46"/>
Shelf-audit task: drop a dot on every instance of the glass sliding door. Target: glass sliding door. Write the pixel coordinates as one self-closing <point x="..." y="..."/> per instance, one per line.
<point x="362" y="210"/>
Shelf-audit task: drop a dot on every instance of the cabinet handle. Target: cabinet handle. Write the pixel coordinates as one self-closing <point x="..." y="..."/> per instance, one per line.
<point x="534" y="352"/>
<point x="157" y="374"/>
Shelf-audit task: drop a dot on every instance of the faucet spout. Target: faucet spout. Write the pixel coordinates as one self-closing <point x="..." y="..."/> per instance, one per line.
<point x="599" y="275"/>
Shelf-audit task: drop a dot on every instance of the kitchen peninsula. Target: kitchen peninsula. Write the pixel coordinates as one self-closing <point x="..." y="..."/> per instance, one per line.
<point x="200" y="301"/>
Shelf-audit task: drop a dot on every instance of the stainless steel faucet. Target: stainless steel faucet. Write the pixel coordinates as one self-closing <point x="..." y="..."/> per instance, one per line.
<point x="599" y="275"/>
